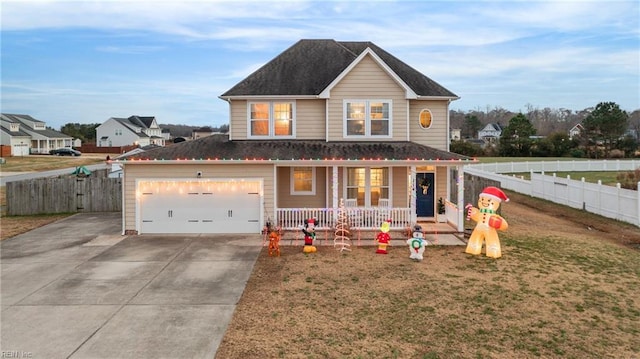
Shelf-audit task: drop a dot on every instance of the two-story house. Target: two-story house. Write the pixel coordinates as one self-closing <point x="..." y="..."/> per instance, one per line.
<point x="576" y="131"/>
<point x="27" y="135"/>
<point x="324" y="125"/>
<point x="134" y="130"/>
<point x="490" y="133"/>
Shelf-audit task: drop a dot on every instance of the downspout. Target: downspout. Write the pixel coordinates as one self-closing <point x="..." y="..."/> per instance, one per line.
<point x="229" y="102"/>
<point x="408" y="121"/>
<point x="461" y="210"/>
<point x="326" y="120"/>
<point x="448" y="126"/>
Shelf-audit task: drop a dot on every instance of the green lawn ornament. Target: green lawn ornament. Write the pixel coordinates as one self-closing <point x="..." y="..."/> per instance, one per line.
<point x="82" y="171"/>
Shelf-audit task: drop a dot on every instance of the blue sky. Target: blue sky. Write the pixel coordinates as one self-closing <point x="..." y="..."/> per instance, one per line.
<point x="87" y="61"/>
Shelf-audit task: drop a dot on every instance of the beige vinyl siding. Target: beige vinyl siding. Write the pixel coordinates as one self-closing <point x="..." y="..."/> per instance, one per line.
<point x="286" y="200"/>
<point x="400" y="192"/>
<point x="188" y="171"/>
<point x="238" y="120"/>
<point x="310" y="119"/>
<point x="441" y="183"/>
<point x="368" y="80"/>
<point x="436" y="136"/>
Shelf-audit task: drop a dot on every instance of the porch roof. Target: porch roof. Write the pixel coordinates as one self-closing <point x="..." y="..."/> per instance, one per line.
<point x="219" y="147"/>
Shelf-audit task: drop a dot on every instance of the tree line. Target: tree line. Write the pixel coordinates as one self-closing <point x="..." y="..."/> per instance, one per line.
<point x="607" y="131"/>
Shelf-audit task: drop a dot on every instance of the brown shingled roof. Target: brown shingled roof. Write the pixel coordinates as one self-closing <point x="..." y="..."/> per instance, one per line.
<point x="309" y="66"/>
<point x="219" y="146"/>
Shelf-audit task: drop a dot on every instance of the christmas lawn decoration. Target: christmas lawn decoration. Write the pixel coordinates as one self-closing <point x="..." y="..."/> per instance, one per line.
<point x="417" y="244"/>
<point x="383" y="239"/>
<point x="342" y="234"/>
<point x="488" y="223"/>
<point x="309" y="235"/>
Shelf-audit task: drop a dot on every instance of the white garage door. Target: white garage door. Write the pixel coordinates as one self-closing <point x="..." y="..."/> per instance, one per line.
<point x="199" y="206"/>
<point x="20" y="149"/>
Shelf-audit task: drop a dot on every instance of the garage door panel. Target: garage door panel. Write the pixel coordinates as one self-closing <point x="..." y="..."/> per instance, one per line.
<point x="190" y="207"/>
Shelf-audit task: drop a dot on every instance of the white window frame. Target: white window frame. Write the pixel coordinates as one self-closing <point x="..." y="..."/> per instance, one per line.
<point x="271" y="119"/>
<point x="367" y="185"/>
<point x="367" y="118"/>
<point x="292" y="181"/>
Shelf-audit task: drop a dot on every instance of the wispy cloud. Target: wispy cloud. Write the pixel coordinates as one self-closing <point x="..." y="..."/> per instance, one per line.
<point x="173" y="58"/>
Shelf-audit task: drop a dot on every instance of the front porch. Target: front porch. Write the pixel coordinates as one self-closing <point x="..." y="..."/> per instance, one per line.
<point x="366" y="218"/>
<point x="368" y="195"/>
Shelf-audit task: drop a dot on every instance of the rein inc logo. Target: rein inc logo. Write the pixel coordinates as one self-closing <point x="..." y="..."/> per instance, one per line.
<point x="15" y="354"/>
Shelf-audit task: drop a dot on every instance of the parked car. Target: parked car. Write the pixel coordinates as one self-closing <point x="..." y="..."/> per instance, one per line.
<point x="65" y="152"/>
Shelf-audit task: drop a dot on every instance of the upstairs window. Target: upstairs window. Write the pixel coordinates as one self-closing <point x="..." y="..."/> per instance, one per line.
<point x="271" y="119"/>
<point x="425" y="119"/>
<point x="367" y="118"/>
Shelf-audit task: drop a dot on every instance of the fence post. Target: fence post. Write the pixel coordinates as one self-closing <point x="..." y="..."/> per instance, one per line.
<point x="600" y="197"/>
<point x="582" y="196"/>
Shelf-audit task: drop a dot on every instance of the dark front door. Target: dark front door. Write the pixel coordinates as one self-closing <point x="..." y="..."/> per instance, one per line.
<point x="424" y="194"/>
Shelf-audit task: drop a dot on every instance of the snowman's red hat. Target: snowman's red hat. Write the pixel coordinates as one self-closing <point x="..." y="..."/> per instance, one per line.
<point x="495" y="193"/>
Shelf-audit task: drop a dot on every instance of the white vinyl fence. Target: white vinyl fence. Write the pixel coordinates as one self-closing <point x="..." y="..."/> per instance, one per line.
<point x="611" y="202"/>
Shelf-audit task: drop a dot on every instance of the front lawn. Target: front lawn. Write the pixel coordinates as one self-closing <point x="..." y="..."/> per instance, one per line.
<point x="567" y="286"/>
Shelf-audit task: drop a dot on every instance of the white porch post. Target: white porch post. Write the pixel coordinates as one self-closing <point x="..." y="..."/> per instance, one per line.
<point x="461" y="209"/>
<point x="334" y="192"/>
<point x="412" y="195"/>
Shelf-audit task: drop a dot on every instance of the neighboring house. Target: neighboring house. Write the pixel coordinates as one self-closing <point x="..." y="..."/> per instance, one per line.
<point x="490" y="133"/>
<point x="575" y="131"/>
<point x="26" y="135"/>
<point x="166" y="134"/>
<point x="456" y="134"/>
<point x="135" y="130"/>
<point x="325" y="124"/>
<point x="201" y="132"/>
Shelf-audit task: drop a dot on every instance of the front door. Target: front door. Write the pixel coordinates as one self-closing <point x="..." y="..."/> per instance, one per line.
<point x="425" y="199"/>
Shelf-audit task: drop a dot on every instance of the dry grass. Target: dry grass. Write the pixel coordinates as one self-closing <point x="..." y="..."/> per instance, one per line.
<point x="37" y="163"/>
<point x="566" y="287"/>
<point x="14" y="225"/>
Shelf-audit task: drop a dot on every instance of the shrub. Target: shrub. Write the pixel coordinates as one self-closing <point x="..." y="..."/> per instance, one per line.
<point x="577" y="153"/>
<point x="630" y="179"/>
<point x="615" y="153"/>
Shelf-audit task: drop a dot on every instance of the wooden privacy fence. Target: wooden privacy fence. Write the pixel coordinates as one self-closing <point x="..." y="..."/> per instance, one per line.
<point x="64" y="195"/>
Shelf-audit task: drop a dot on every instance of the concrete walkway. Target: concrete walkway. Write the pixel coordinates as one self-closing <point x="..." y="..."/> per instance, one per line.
<point x="77" y="289"/>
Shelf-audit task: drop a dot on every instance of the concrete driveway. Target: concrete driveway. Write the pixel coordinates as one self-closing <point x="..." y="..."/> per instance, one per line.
<point x="78" y="289"/>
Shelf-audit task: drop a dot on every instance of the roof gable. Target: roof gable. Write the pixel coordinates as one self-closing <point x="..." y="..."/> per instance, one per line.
<point x="309" y="67"/>
<point x="409" y="93"/>
<point x="146" y="121"/>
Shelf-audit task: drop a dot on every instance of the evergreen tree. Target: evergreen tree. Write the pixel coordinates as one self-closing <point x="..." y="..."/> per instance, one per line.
<point x="515" y="139"/>
<point x="605" y="126"/>
<point x="471" y="126"/>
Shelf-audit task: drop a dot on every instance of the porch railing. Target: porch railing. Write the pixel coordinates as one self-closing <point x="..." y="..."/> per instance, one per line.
<point x="359" y="218"/>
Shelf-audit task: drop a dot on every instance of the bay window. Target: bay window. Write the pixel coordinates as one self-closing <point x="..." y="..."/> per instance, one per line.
<point x="367" y="185"/>
<point x="271" y="119"/>
<point x="367" y="118"/>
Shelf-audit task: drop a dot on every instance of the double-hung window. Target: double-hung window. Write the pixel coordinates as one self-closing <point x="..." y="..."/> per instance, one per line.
<point x="271" y="119"/>
<point x="303" y="181"/>
<point x="367" y="185"/>
<point x="367" y="118"/>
